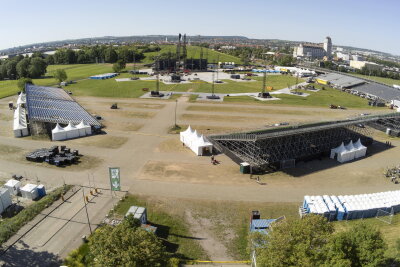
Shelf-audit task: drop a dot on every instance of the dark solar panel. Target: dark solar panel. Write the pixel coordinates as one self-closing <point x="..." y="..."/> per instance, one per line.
<point x="47" y="104"/>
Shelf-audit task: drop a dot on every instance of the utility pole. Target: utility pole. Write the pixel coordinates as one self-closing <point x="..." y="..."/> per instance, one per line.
<point x="87" y="214"/>
<point x="176" y="106"/>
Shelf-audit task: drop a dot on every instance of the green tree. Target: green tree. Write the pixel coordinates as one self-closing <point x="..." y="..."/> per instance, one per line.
<point x="110" y="55"/>
<point x="11" y="69"/>
<point x="37" y="67"/>
<point x="127" y="245"/>
<point x="361" y="245"/>
<point x="119" y="65"/>
<point x="294" y="243"/>
<point x="23" y="67"/>
<point x="22" y="81"/>
<point x="50" y="60"/>
<point x="60" y="75"/>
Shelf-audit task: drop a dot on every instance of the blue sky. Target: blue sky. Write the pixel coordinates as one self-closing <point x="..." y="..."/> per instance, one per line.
<point x="361" y="23"/>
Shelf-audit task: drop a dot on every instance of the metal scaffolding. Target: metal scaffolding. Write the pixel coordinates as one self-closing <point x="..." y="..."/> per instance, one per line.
<point x="275" y="147"/>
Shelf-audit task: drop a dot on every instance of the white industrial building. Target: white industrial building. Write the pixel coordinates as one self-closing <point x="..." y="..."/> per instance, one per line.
<point x="361" y="64"/>
<point x="313" y="50"/>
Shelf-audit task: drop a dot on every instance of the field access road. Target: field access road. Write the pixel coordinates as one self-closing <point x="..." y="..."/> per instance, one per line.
<point x="57" y="230"/>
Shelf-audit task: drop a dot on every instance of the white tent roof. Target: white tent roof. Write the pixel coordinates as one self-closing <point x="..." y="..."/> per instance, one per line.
<point x="350" y="146"/>
<point x="70" y="127"/>
<point x="340" y="149"/>
<point x="189" y="130"/>
<point x="203" y="142"/>
<point x="82" y="124"/>
<point x="57" y="129"/>
<point x="358" y="144"/>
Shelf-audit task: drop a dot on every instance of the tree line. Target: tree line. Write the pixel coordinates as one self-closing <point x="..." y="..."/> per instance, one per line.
<point x="313" y="241"/>
<point x="100" y="54"/>
<point x="23" y="67"/>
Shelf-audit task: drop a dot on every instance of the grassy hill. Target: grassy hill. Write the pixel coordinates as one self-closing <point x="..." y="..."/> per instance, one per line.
<point x="194" y="51"/>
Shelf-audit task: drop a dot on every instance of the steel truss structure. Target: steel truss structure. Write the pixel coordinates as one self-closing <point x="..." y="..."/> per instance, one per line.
<point x="277" y="146"/>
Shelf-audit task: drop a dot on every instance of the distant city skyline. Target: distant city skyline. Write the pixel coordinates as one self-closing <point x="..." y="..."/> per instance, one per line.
<point x="364" y="24"/>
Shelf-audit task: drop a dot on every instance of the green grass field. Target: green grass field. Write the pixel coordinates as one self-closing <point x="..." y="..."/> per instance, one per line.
<point x="74" y="72"/>
<point x="194" y="52"/>
<point x="387" y="81"/>
<point x="321" y="98"/>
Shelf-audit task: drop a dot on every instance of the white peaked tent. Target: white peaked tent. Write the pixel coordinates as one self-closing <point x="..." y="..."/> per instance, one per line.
<point x="195" y="141"/>
<point x="58" y="133"/>
<point x="202" y="145"/>
<point x="340" y="152"/>
<point x="71" y="131"/>
<point x="360" y="149"/>
<point x="351" y="151"/>
<point x="86" y="127"/>
<point x="21" y="99"/>
<point x="20" y="127"/>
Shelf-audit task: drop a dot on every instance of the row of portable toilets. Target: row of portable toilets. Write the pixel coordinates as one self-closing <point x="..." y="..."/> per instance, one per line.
<point x="350" y="207"/>
<point x="14" y="187"/>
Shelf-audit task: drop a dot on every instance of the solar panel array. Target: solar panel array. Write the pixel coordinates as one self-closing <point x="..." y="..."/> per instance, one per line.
<point x="54" y="105"/>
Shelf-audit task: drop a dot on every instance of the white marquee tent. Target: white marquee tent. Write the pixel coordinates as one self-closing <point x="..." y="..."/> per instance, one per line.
<point x="196" y="142"/>
<point x="348" y="152"/>
<point x="71" y="131"/>
<point x="58" y="133"/>
<point x="20" y="126"/>
<point x="360" y="149"/>
<point x="84" y="129"/>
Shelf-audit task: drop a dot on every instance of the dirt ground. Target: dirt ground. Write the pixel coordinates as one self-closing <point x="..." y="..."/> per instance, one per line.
<point x="154" y="163"/>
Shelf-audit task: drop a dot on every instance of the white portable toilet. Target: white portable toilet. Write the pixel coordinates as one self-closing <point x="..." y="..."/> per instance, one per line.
<point x="13" y="186"/>
<point x="139" y="213"/>
<point x="29" y="191"/>
<point x="5" y="199"/>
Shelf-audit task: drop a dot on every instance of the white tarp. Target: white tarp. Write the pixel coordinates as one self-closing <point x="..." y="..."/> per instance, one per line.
<point x="58" y="133"/>
<point x="195" y="141"/>
<point x="71" y="131"/>
<point x="13" y="186"/>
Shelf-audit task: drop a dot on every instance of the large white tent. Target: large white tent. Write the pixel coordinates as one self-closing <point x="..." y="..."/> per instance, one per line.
<point x="348" y="152"/>
<point x="195" y="141"/>
<point x="20" y="126"/>
<point x="71" y="131"/>
<point x="58" y="133"/>
<point x="84" y="129"/>
<point x="339" y="152"/>
<point x="360" y="149"/>
<point x="351" y="151"/>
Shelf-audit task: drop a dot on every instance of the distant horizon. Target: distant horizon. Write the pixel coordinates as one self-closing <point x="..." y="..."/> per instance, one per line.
<point x="364" y="24"/>
<point x="193" y="35"/>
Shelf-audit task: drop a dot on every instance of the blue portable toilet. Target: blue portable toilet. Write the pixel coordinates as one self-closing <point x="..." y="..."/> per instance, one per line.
<point x="41" y="191"/>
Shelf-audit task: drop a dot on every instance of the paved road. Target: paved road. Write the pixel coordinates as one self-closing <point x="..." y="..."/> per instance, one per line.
<point x="57" y="230"/>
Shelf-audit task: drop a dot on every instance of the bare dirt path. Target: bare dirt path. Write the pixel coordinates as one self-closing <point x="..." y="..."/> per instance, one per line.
<point x="200" y="227"/>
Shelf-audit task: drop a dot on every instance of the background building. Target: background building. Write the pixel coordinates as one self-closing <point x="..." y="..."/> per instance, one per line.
<point x="312" y="50"/>
<point x="361" y="64"/>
